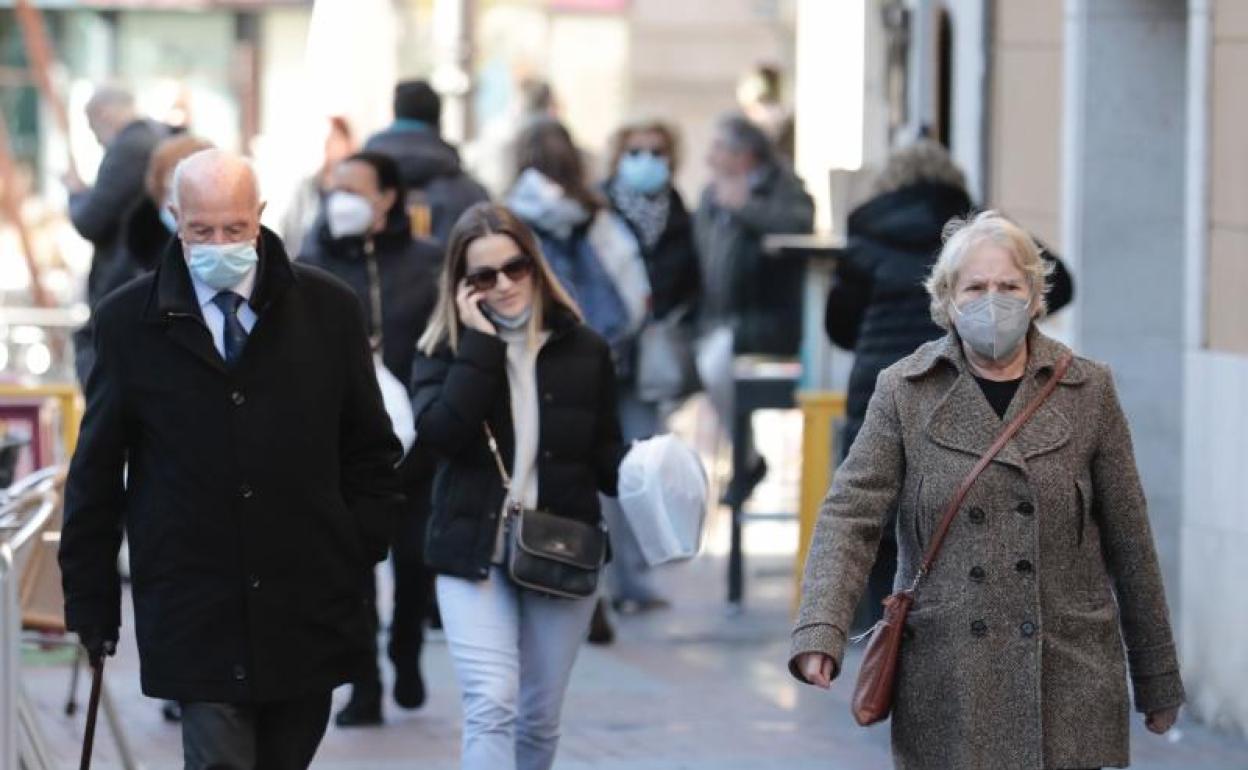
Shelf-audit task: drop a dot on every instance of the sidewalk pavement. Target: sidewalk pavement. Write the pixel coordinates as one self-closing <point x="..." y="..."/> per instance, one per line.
<point x="689" y="688"/>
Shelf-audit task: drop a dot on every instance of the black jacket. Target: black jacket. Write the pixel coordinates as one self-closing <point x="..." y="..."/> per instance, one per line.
<point x="255" y="499"/>
<point x="579" y="449"/>
<point x="878" y="306"/>
<point x="407" y="269"/>
<point x="672" y="263"/>
<point x="98" y="212"/>
<point x="431" y="172"/>
<point x="759" y="296"/>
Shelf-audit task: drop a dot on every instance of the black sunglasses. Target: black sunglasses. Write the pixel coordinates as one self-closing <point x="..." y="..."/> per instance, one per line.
<point x="516" y="269"/>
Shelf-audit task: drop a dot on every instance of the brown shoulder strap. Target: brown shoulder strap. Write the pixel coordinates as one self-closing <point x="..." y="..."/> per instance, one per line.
<point x="959" y="497"/>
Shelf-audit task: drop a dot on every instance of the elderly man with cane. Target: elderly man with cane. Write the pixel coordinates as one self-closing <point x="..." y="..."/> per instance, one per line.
<point x="234" y="428"/>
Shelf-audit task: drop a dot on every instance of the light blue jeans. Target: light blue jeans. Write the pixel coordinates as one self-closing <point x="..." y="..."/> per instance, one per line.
<point x="513" y="652"/>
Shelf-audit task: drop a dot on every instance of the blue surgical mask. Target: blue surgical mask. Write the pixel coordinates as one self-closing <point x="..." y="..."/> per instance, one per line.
<point x="167" y="218"/>
<point x="222" y="265"/>
<point x="511" y="323"/>
<point x="644" y="172"/>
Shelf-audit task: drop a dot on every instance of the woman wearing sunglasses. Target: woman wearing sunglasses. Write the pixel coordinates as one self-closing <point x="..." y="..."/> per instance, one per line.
<point x="507" y="349"/>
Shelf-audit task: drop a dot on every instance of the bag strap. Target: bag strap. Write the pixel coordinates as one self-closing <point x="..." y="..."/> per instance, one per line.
<point x="498" y="458"/>
<point x="951" y="510"/>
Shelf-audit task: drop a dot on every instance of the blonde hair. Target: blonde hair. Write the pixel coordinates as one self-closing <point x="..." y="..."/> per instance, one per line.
<point x="961" y="237"/>
<point x="924" y="161"/>
<point x="479" y="221"/>
<point x="619" y="140"/>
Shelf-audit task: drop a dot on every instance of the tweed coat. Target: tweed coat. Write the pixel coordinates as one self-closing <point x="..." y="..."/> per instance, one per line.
<point x="1013" y="652"/>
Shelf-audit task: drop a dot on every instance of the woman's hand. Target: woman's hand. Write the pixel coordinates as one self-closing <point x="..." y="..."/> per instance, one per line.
<point x="1161" y="721"/>
<point x="468" y="299"/>
<point x="818" y="669"/>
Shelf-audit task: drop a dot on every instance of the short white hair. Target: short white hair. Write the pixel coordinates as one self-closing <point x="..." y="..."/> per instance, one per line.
<point x="190" y="161"/>
<point x="961" y="236"/>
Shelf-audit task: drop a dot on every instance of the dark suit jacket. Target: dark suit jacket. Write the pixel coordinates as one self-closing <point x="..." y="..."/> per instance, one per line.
<point x="255" y="498"/>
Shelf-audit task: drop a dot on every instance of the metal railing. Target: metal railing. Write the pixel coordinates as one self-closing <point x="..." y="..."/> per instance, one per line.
<point x="25" y="510"/>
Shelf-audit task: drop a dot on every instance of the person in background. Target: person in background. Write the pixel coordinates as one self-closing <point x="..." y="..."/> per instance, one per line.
<point x="234" y="430"/>
<point x="364" y="237"/>
<point x="760" y="95"/>
<point x="750" y="304"/>
<point x="507" y="351"/>
<point x="1048" y="590"/>
<point x="304" y="207"/>
<point x="644" y="156"/>
<point x="595" y="255"/>
<point x="877" y="307"/>
<point x="438" y="188"/>
<point x="97" y="212"/>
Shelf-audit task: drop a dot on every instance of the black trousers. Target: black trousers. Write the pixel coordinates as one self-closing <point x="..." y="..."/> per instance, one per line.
<point x="413" y="590"/>
<point x="254" y="736"/>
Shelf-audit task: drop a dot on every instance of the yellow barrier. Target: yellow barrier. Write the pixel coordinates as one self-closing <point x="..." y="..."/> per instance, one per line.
<point x="819" y="409"/>
<point x="69" y="398"/>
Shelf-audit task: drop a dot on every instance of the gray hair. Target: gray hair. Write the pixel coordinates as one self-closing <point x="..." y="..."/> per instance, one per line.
<point x="961" y="236"/>
<point x="742" y="135"/>
<point x="110" y="97"/>
<point x="187" y="166"/>
<point x="923" y="161"/>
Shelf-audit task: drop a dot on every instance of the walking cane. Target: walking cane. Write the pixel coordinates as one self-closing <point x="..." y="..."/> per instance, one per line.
<point x="93" y="709"/>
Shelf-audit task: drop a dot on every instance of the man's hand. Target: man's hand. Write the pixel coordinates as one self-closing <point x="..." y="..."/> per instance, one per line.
<point x="72" y="181"/>
<point x="99" y="643"/>
<point x="1161" y="721"/>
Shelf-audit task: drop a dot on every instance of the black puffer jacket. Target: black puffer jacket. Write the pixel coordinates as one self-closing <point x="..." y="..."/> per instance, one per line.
<point x="878" y="307"/>
<point x="579" y="448"/>
<point x="407" y="271"/>
<point x="431" y="171"/>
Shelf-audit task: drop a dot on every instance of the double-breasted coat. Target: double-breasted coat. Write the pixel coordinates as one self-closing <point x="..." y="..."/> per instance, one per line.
<point x="1013" y="655"/>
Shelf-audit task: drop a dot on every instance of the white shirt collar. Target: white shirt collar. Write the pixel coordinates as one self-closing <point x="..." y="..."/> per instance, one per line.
<point x="205" y="293"/>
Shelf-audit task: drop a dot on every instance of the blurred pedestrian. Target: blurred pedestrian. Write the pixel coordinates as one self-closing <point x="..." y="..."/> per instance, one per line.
<point x="438" y="188"/>
<point x="364" y="237"/>
<point x="760" y="95"/>
<point x="877" y="307"/>
<point x="1013" y="655"/>
<point x="750" y="304"/>
<point x="97" y="212"/>
<point x="301" y="212"/>
<point x="235" y="430"/>
<point x="508" y="350"/>
<point x="640" y="191"/>
<point x="596" y="256"/>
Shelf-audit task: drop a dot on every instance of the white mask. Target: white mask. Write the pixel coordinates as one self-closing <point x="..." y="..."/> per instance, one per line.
<point x="348" y="214"/>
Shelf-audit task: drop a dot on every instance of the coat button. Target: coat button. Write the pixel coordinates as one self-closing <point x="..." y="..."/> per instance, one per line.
<point x="240" y="673"/>
<point x="977" y="573"/>
<point x="547" y="454"/>
<point x="246" y="491"/>
<point x="977" y="515"/>
<point x="1028" y="629"/>
<point x="238" y="398"/>
<point x="254" y="582"/>
<point x="1023" y="566"/>
<point x="1026" y="508"/>
<point x="979" y="628"/>
<point x="548" y="397"/>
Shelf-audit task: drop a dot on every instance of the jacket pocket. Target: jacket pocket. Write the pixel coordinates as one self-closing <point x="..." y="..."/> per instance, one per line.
<point x="917" y="513"/>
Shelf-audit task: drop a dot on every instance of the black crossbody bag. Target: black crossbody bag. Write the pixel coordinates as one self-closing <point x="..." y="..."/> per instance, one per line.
<point x="547" y="553"/>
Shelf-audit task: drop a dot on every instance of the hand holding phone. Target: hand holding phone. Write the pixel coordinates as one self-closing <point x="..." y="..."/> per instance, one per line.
<point x="471" y="309"/>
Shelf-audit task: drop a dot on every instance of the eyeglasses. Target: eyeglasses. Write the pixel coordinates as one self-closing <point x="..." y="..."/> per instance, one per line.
<point x="516" y="269"/>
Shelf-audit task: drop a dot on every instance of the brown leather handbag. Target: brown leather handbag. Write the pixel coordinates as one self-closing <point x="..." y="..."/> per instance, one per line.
<point x="873" y="693"/>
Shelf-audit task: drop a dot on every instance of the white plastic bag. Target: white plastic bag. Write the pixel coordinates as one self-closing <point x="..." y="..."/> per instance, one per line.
<point x="663" y="490"/>
<point x="398" y="407"/>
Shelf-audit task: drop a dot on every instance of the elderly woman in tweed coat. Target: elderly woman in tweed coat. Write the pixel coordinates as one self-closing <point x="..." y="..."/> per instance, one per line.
<point x="1013" y="655"/>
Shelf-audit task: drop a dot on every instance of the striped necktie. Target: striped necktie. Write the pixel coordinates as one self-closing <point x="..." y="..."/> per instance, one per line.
<point x="235" y="336"/>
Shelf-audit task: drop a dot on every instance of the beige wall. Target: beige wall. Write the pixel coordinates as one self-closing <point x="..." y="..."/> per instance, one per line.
<point x="1228" y="241"/>
<point x="1024" y="177"/>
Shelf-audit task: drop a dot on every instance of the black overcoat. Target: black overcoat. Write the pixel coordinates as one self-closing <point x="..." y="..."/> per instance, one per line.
<point x="579" y="445"/>
<point x="255" y="498"/>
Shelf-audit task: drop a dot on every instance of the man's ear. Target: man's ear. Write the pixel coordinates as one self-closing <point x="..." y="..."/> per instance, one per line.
<point x="260" y="210"/>
<point x="387" y="201"/>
